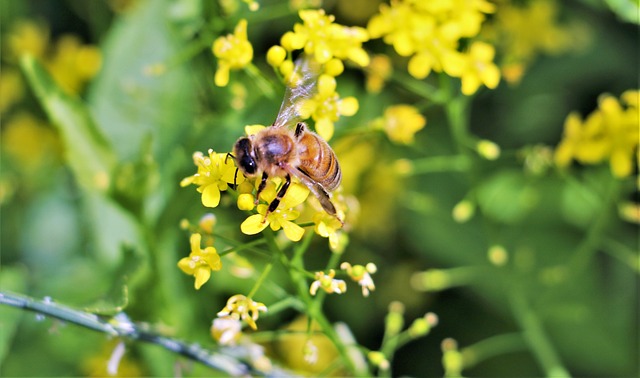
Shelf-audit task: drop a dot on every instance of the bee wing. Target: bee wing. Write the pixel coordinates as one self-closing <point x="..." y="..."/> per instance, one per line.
<point x="303" y="85"/>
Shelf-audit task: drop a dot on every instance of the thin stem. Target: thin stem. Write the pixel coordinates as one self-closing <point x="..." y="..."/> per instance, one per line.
<point x="266" y="86"/>
<point x="121" y="326"/>
<point x="595" y="233"/>
<point x="432" y="164"/>
<point x="621" y="252"/>
<point x="535" y="336"/>
<point x="263" y="276"/>
<point x="492" y="347"/>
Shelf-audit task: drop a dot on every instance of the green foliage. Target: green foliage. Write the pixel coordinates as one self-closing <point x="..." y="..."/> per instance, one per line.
<point x="99" y="230"/>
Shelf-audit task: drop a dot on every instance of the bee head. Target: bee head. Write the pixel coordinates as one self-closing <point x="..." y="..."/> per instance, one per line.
<point x="245" y="158"/>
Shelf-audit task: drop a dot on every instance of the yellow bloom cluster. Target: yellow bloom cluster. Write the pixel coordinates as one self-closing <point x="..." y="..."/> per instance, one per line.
<point x="430" y="33"/>
<point x="234" y="51"/>
<point x="323" y="39"/>
<point x="401" y="123"/>
<point x="240" y="307"/>
<point x="611" y="132"/>
<point x="328" y="44"/>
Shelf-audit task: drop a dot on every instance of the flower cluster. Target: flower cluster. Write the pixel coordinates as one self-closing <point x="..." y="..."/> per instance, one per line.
<point x="240" y="307"/>
<point x="430" y="33"/>
<point x="324" y="40"/>
<point x="282" y="217"/>
<point x="215" y="172"/>
<point x="200" y="262"/>
<point x="234" y="51"/>
<point x="524" y="30"/>
<point x="328" y="44"/>
<point x="609" y="133"/>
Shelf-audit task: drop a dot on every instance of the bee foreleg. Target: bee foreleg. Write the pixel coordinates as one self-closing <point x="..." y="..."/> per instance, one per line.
<point x="283" y="190"/>
<point x="263" y="184"/>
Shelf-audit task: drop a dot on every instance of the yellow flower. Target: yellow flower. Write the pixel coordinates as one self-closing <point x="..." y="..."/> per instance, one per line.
<point x="11" y="88"/>
<point x="200" y="262"/>
<point x="27" y="37"/>
<point x="326" y="106"/>
<point x="328" y="226"/>
<point x="240" y="307"/>
<point x="477" y="68"/>
<point x="215" y="172"/>
<point x="226" y="330"/>
<point x="401" y="123"/>
<point x="328" y="283"/>
<point x="362" y="275"/>
<point x="233" y="51"/>
<point x="73" y="64"/>
<point x="282" y="217"/>
<point x="379" y="71"/>
<point x="611" y="132"/>
<point x="323" y="39"/>
<point x="429" y="31"/>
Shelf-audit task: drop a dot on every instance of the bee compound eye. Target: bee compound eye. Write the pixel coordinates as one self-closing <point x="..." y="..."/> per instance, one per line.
<point x="245" y="161"/>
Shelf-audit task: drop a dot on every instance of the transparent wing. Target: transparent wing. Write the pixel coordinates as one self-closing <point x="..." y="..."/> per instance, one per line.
<point x="303" y="85"/>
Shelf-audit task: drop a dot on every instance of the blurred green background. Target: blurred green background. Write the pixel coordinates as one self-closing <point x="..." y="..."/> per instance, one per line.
<point x="145" y="101"/>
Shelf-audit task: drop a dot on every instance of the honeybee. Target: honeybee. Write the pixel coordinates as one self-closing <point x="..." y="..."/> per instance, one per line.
<point x="289" y="149"/>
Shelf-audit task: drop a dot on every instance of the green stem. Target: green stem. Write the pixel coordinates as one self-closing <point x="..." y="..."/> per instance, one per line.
<point x="535" y="337"/>
<point x="621" y="252"/>
<point x="595" y="233"/>
<point x="265" y="85"/>
<point x="492" y="347"/>
<point x="263" y="276"/>
<point x="302" y="289"/>
<point x="121" y="326"/>
<point x="432" y="164"/>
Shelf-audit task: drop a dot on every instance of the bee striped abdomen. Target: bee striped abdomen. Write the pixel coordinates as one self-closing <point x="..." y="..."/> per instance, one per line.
<point x="319" y="162"/>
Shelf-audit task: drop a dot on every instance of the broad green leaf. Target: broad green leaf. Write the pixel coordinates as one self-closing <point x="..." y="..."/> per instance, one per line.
<point x="144" y="90"/>
<point x="117" y="298"/>
<point x="87" y="151"/>
<point x="12" y="279"/>
<point x="628" y="10"/>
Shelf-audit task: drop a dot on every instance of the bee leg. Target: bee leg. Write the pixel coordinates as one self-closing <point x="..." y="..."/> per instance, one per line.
<point x="299" y="129"/>
<point x="283" y="190"/>
<point x="263" y="184"/>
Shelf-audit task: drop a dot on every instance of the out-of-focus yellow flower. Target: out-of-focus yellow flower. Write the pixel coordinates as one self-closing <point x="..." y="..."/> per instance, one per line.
<point x="326" y="106"/>
<point x="323" y="39"/>
<point x="73" y="64"/>
<point x="429" y="31"/>
<point x="477" y="68"/>
<point x="328" y="283"/>
<point x="215" y="172"/>
<point x="401" y="123"/>
<point x="378" y="72"/>
<point x="611" y="132"/>
<point x="234" y="51"/>
<point x="11" y="88"/>
<point x="29" y="142"/>
<point x="328" y="226"/>
<point x="282" y="217"/>
<point x="240" y="307"/>
<point x="27" y="37"/>
<point x="200" y="262"/>
<point x="100" y="364"/>
<point x="525" y="29"/>
<point x="226" y="330"/>
<point x="362" y="275"/>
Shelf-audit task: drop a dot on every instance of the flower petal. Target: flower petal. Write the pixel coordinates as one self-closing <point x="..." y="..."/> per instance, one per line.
<point x="292" y="231"/>
<point x="211" y="196"/>
<point x="253" y="225"/>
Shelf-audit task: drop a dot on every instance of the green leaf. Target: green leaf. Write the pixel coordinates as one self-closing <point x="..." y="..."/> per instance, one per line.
<point x="14" y="279"/>
<point x="117" y="298"/>
<point x="628" y="10"/>
<point x="87" y="151"/>
<point x="131" y="101"/>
